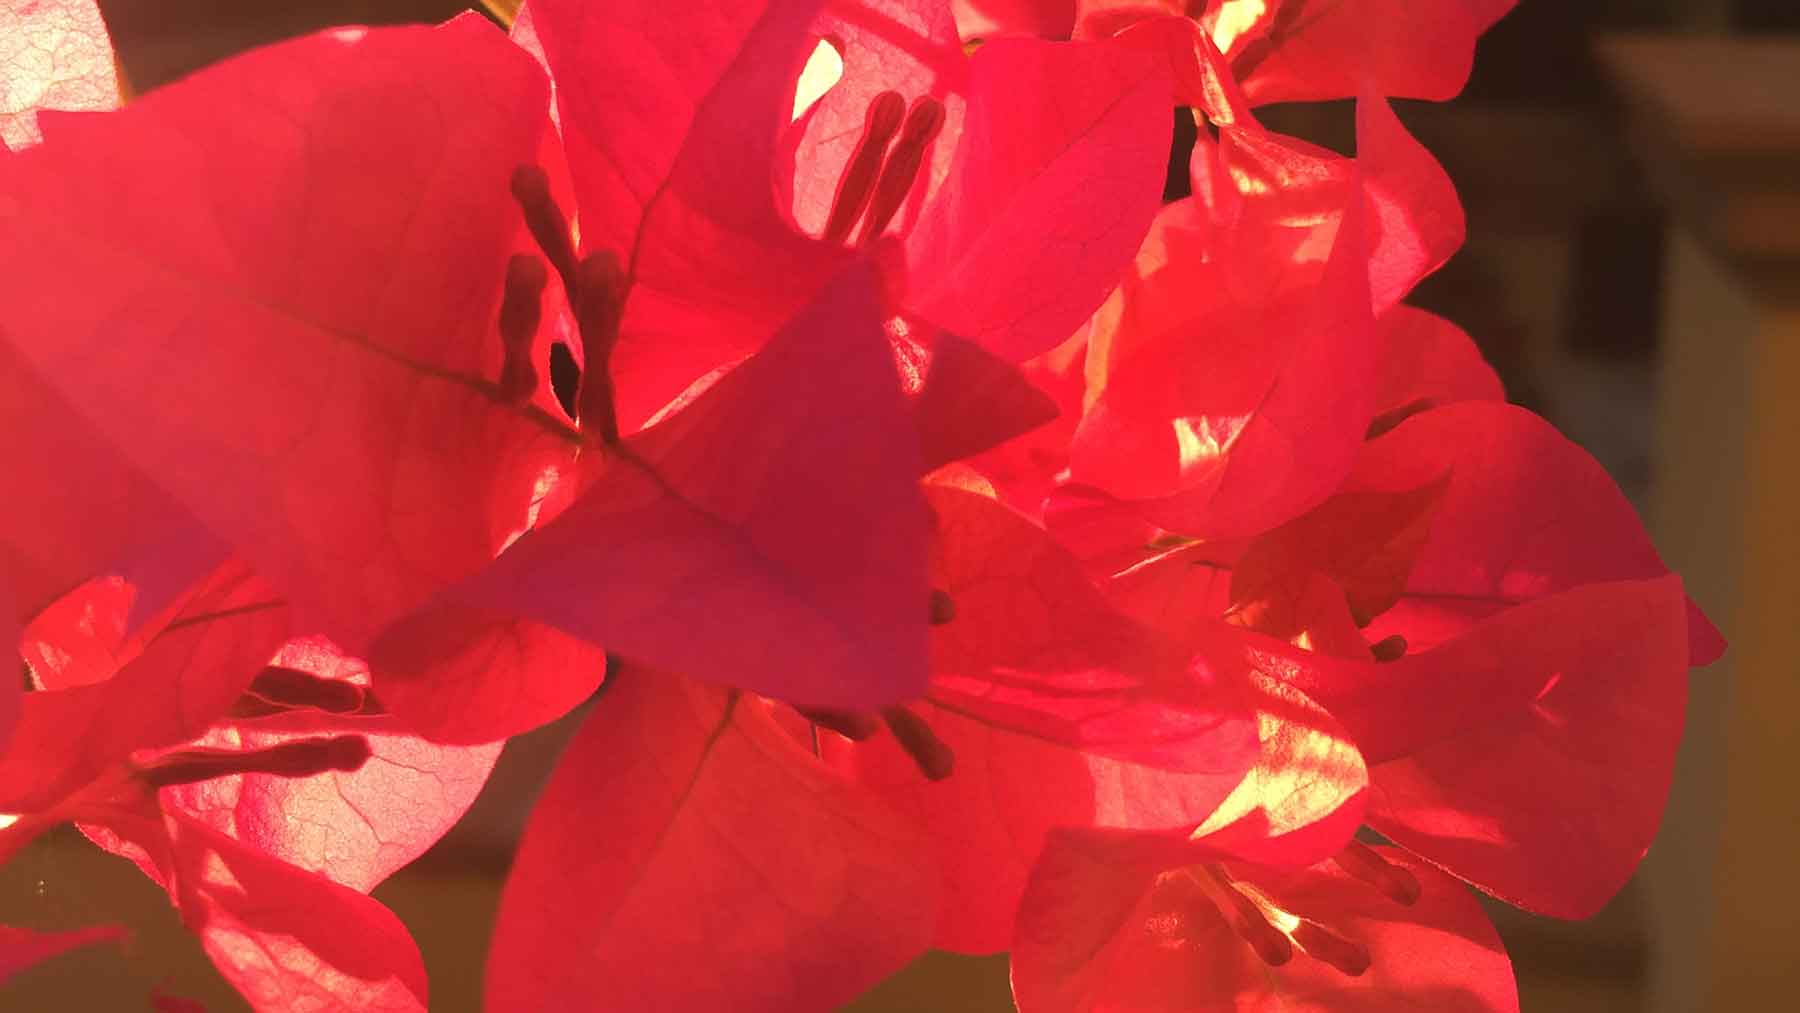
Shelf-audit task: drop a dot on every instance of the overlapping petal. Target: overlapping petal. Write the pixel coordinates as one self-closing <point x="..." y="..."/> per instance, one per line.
<point x="265" y="219"/>
<point x="765" y="536"/>
<point x="685" y="820"/>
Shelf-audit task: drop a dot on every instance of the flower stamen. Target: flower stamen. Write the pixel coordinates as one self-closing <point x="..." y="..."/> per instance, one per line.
<point x="301" y="758"/>
<point x="548" y="225"/>
<point x="1327" y="947"/>
<point x="521" y="310"/>
<point x="599" y="300"/>
<point x="943" y="607"/>
<point x="934" y="759"/>
<point x="277" y="689"/>
<point x="1389" y="648"/>
<point x="861" y="173"/>
<point x="901" y="169"/>
<point x="1365" y="864"/>
<point x="1271" y="945"/>
<point x="856" y="726"/>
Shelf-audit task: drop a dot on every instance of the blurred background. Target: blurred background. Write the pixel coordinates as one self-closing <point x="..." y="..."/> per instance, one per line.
<point x="1631" y="170"/>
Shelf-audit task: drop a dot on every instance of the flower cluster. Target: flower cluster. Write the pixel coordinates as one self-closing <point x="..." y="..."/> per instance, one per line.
<point x="967" y="548"/>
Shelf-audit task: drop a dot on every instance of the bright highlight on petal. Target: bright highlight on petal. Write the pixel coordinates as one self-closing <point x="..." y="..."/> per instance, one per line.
<point x="1235" y="17"/>
<point x="823" y="69"/>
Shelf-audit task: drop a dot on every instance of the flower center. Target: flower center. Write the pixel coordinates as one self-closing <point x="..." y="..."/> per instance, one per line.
<point x="595" y="286"/>
<point x="882" y="169"/>
<point x="1272" y="931"/>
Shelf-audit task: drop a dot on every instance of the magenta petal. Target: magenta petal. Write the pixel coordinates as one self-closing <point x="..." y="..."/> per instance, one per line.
<point x="1526" y="513"/>
<point x="355" y="827"/>
<point x="462" y="674"/>
<point x="1035" y="650"/>
<point x="671" y="120"/>
<point x="56" y="532"/>
<point x="54" y="54"/>
<point x="23" y="948"/>
<point x="287" y="938"/>
<point x="1104" y="928"/>
<point x="987" y="19"/>
<point x="770" y="535"/>
<point x="1047" y="200"/>
<point x="194" y="663"/>
<point x="1315" y="50"/>
<point x="1550" y="797"/>
<point x="971" y="401"/>
<point x="1253" y="427"/>
<point x="1427" y="360"/>
<point x="310" y="215"/>
<point x="689" y="855"/>
<point x="10" y="689"/>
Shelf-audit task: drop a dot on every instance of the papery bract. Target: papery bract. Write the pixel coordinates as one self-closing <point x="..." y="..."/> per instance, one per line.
<point x="1018" y="248"/>
<point x="1104" y="931"/>
<point x="1526" y="513"/>
<point x="182" y="672"/>
<point x="355" y="827"/>
<point x="285" y="937"/>
<point x="689" y="855"/>
<point x="1059" y="712"/>
<point x="1312" y="50"/>
<point x="765" y="536"/>
<point x="670" y="126"/>
<point x="1532" y="754"/>
<point x="265" y="218"/>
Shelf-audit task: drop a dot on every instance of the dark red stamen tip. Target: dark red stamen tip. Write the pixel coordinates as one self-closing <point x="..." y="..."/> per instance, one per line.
<point x="548" y="225"/>
<point x="933" y="758"/>
<point x="856" y="726"/>
<point x="277" y="689"/>
<point x="943" y="607"/>
<point x="1364" y="863"/>
<point x="301" y="758"/>
<point x="599" y="306"/>
<point x="1327" y="947"/>
<point x="521" y="310"/>
<point x="902" y="166"/>
<point x="857" y="184"/>
<point x="1389" y="648"/>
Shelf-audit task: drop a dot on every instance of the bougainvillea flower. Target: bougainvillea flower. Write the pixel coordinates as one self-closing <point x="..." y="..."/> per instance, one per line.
<point x="1526" y="513"/>
<point x="1270" y="903"/>
<point x="111" y="694"/>
<point x="23" y="948"/>
<point x="54" y="54"/>
<point x="375" y="458"/>
<point x="1313" y="50"/>
<point x="762" y="536"/>
<point x="265" y="828"/>
<point x="355" y="827"/>
<point x="1105" y="929"/>
<point x="714" y="264"/>
<point x="1058" y="712"/>
<point x="1031" y="671"/>
<point x="1281" y="388"/>
<point x="1504" y="613"/>
<point x="1318" y="50"/>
